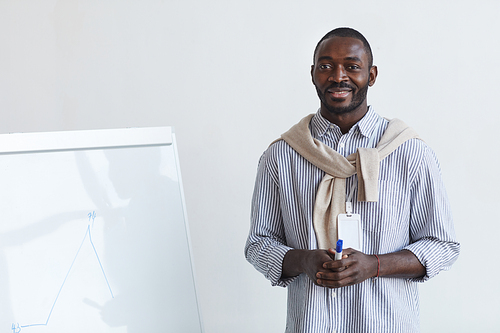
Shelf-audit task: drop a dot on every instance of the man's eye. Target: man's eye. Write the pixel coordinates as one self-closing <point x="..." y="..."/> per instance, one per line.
<point x="353" y="67"/>
<point x="325" y="66"/>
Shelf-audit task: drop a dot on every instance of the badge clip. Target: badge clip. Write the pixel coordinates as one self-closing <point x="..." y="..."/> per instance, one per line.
<point x="348" y="208"/>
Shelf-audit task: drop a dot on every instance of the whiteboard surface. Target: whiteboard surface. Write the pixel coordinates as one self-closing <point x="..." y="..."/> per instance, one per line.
<point x="94" y="239"/>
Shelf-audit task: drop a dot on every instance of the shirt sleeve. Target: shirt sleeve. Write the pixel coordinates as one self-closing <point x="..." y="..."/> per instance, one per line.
<point x="266" y="244"/>
<point x="432" y="234"/>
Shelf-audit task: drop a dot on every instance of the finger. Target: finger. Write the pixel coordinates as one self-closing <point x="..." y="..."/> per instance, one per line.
<point x="336" y="283"/>
<point x="332" y="275"/>
<point x="331" y="253"/>
<point x="346" y="261"/>
<point x="349" y="251"/>
<point x="349" y="256"/>
<point x="321" y="276"/>
<point x="335" y="279"/>
<point x="334" y="264"/>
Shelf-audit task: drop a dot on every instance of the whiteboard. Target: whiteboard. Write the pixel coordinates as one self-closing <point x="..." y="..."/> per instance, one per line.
<point x="93" y="234"/>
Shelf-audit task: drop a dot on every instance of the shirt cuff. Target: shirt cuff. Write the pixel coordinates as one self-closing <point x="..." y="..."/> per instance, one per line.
<point x="435" y="255"/>
<point x="275" y="267"/>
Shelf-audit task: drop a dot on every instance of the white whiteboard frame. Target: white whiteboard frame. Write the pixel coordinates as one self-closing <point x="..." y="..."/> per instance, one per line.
<point x="88" y="139"/>
<point x="186" y="224"/>
<point x="101" y="139"/>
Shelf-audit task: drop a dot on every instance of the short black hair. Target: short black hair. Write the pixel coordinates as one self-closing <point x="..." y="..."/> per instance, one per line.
<point x="347" y="32"/>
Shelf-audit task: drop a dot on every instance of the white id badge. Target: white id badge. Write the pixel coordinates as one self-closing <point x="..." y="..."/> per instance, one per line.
<point x="349" y="230"/>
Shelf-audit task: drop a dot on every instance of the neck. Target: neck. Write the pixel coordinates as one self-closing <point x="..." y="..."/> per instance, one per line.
<point x="345" y="120"/>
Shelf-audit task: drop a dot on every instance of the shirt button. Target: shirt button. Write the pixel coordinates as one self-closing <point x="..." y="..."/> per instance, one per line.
<point x="334" y="294"/>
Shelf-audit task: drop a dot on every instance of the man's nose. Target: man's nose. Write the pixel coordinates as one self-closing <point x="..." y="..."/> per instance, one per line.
<point x="338" y="75"/>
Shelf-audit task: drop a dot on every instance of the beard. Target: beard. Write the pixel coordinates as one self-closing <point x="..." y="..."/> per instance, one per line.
<point x="358" y="97"/>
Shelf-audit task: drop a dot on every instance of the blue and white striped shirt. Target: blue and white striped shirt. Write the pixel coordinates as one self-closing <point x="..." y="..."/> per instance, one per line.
<point x="412" y="213"/>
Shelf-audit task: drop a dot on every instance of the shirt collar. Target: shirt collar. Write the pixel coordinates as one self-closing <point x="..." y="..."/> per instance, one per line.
<point x="365" y="126"/>
<point x="319" y="125"/>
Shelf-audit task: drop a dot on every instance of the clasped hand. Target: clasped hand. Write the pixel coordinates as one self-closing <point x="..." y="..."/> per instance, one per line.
<point x="353" y="268"/>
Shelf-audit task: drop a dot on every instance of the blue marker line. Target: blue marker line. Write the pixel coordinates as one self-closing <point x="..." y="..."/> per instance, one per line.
<point x="99" y="260"/>
<point x="67" y="274"/>
<point x="60" y="289"/>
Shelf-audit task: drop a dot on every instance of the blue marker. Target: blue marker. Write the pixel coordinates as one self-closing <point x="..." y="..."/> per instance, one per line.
<point x="338" y="249"/>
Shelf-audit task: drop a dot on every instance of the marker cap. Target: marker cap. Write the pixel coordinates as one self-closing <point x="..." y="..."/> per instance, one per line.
<point x="340" y="243"/>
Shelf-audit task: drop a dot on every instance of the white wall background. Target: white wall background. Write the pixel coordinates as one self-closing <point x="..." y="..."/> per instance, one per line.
<point x="231" y="76"/>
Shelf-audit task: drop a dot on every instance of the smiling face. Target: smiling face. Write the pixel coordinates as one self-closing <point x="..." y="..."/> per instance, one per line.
<point x="342" y="74"/>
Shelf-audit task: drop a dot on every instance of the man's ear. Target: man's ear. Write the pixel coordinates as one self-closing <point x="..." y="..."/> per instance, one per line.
<point x="373" y="75"/>
<point x="312" y="71"/>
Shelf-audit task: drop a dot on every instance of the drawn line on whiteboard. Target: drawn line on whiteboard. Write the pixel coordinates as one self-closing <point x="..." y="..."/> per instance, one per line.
<point x="17" y="329"/>
<point x="99" y="260"/>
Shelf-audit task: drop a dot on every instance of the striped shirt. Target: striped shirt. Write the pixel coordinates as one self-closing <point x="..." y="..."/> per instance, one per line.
<point x="412" y="213"/>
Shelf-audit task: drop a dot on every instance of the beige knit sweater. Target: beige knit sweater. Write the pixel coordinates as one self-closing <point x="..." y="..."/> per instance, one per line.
<point x="330" y="197"/>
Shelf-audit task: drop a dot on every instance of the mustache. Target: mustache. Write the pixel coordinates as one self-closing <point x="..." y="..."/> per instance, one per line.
<point x="340" y="85"/>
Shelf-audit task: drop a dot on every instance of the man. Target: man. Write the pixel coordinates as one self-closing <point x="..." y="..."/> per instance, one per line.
<point x="408" y="233"/>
